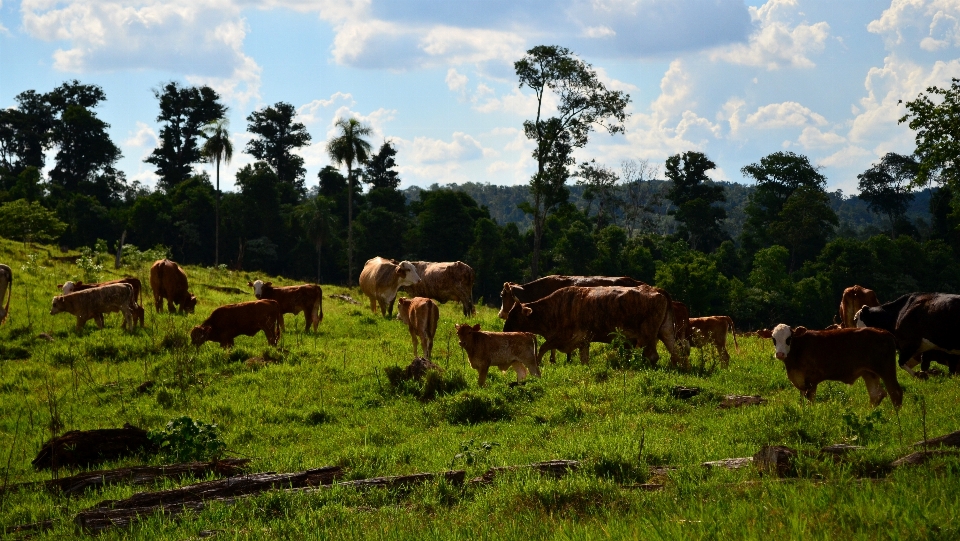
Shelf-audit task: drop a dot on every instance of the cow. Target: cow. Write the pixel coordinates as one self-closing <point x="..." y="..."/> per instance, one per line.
<point x="951" y="361"/>
<point x="713" y="330"/>
<point x="681" y="326"/>
<point x="533" y="291"/>
<point x="499" y="349"/>
<point x="421" y="316"/>
<point x="168" y="281"/>
<point x="6" y="290"/>
<point x="380" y="280"/>
<point x="305" y="298"/>
<point x="93" y="303"/>
<point x="854" y="298"/>
<point x="572" y="317"/>
<point x="444" y="282"/>
<point x="920" y="322"/>
<point x="138" y="316"/>
<point x="812" y="357"/>
<point x="231" y="320"/>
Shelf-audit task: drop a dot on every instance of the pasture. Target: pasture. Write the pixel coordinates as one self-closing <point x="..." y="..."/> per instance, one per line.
<point x="325" y="399"/>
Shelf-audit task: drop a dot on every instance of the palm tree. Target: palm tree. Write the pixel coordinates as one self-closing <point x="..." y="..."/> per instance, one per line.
<point x="317" y="219"/>
<point x="217" y="148"/>
<point x="349" y="149"/>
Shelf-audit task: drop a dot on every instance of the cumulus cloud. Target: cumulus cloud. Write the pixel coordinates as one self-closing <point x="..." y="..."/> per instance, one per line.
<point x="144" y="137"/>
<point x="456" y="81"/>
<point x="813" y="138"/>
<point x="776" y="43"/>
<point x="931" y="24"/>
<point x="311" y="113"/>
<point x="783" y="115"/>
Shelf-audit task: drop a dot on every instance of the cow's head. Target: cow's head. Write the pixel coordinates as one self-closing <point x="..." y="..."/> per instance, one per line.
<point x="507" y="300"/>
<point x="58" y="305"/>
<point x="465" y="333"/>
<point x="403" y="309"/>
<point x="407" y="273"/>
<point x="782" y="336"/>
<point x="190" y="304"/>
<point x="200" y="334"/>
<point x="68" y="287"/>
<point x="258" y="287"/>
<point x="517" y="318"/>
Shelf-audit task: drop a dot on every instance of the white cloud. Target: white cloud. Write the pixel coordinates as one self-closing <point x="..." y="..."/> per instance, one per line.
<point x="145" y="137"/>
<point x="3" y="29"/>
<point x="813" y="138"/>
<point x="462" y="147"/>
<point x="310" y="113"/>
<point x="848" y="156"/>
<point x="456" y="81"/>
<point x="599" y="31"/>
<point x="783" y="115"/>
<point x="932" y="24"/>
<point x="776" y="43"/>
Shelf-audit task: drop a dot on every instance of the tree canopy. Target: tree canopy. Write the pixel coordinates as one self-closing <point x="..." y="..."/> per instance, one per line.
<point x="278" y="135"/>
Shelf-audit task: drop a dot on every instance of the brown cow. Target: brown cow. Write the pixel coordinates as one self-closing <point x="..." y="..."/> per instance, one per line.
<point x="681" y="327"/>
<point x="380" y="280"/>
<point x="811" y="357"/>
<point x="500" y="349"/>
<point x="421" y="316"/>
<point x="854" y="298"/>
<point x="231" y="320"/>
<point x="93" y="303"/>
<point x="713" y="330"/>
<point x="138" y="316"/>
<point x="307" y="298"/>
<point x="444" y="282"/>
<point x="168" y="281"/>
<point x="533" y="291"/>
<point x="6" y="288"/>
<point x="572" y="317"/>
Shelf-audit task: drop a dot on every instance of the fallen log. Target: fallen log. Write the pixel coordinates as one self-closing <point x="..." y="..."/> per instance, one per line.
<point x="776" y="460"/>
<point x="735" y="401"/>
<point x="920" y="457"/>
<point x="556" y="468"/>
<point x="403" y="481"/>
<point x="950" y="440"/>
<point x="729" y="463"/>
<point x="838" y="449"/>
<point x="684" y="393"/>
<point x="647" y="487"/>
<point x="344" y="298"/>
<point x="82" y="448"/>
<point x="31" y="528"/>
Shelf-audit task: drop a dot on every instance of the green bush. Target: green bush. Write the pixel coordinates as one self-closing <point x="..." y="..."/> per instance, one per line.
<point x="184" y="439"/>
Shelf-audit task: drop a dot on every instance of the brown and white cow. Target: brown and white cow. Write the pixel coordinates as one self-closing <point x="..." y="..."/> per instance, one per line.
<point x="854" y="298"/>
<point x="138" y="316"/>
<point x="421" y="316"/>
<point x="6" y="290"/>
<point x="444" y="282"/>
<point x="232" y="320"/>
<point x="168" y="281"/>
<point x="812" y="357"/>
<point x="499" y="349"/>
<point x="533" y="291"/>
<point x="305" y="298"/>
<point x="713" y="330"/>
<point x="93" y="303"/>
<point x="572" y="317"/>
<point x="380" y="280"/>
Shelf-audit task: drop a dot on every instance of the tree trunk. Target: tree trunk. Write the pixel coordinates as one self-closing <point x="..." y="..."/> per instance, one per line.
<point x="319" y="248"/>
<point x="349" y="224"/>
<point x="116" y="261"/>
<point x="537" y="234"/>
<point x="216" y="237"/>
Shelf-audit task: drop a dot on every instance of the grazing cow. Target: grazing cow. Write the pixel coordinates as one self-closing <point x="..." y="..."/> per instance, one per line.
<point x="6" y="289"/>
<point x="572" y="317"/>
<point x="93" y="303"/>
<point x="380" y="280"/>
<point x="500" y="349"/>
<point x="231" y="320"/>
<point x="138" y="316"/>
<point x="951" y="361"/>
<point x="713" y="330"/>
<point x="293" y="300"/>
<point x="811" y="357"/>
<point x="533" y="291"/>
<point x="854" y="298"/>
<point x="444" y="282"/>
<point x="168" y="281"/>
<point x="421" y="316"/>
<point x="920" y="322"/>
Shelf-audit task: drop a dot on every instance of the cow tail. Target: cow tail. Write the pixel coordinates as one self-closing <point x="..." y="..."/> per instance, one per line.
<point x="6" y="309"/>
<point x="733" y="330"/>
<point x="276" y="323"/>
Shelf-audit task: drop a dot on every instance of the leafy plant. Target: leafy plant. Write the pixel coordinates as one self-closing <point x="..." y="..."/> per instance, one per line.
<point x="862" y="427"/>
<point x="184" y="439"/>
<point x="472" y="453"/>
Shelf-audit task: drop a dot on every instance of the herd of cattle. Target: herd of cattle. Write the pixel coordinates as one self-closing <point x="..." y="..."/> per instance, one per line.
<point x="568" y="312"/>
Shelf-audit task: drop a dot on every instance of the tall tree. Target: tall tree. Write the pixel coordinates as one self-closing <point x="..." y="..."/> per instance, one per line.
<point x="379" y="172"/>
<point x="887" y="187"/>
<point x="316" y="217"/>
<point x="183" y="112"/>
<point x="583" y="104"/>
<point x="936" y="122"/>
<point x="217" y="148"/>
<point x="804" y="224"/>
<point x="694" y="195"/>
<point x="25" y="132"/>
<point x="600" y="184"/>
<point x="349" y="148"/>
<point x="278" y="137"/>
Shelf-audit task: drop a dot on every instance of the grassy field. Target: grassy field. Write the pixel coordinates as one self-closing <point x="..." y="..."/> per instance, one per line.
<point x="328" y="401"/>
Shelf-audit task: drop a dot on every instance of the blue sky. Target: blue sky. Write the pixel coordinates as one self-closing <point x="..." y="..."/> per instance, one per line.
<point x="736" y="80"/>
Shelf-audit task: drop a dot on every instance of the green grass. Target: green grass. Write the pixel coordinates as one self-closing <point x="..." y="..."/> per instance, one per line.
<point x="328" y="401"/>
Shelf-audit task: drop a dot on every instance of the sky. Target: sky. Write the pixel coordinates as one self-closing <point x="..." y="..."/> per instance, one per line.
<point x="734" y="79"/>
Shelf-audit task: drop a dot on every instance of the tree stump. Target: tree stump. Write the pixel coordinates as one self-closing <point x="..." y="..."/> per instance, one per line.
<point x="776" y="460"/>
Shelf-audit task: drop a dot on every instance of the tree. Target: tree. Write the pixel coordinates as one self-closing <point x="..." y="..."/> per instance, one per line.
<point x="184" y="111"/>
<point x="694" y="195"/>
<point x="379" y="172"/>
<point x="29" y="222"/>
<point x="349" y="148"/>
<point x="600" y="184"/>
<point x="804" y="224"/>
<point x="583" y="104"/>
<point x="445" y="224"/>
<point x="316" y="218"/>
<point x="25" y="132"/>
<point x="217" y="148"/>
<point x="937" y="125"/>
<point x="886" y="187"/>
<point x="278" y="137"/>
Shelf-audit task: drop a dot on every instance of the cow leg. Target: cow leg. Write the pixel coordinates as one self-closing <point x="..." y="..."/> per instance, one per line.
<point x="482" y="372"/>
<point x="911" y="352"/>
<point x="874" y="389"/>
<point x="98" y="319"/>
<point x="810" y="393"/>
<point x="280" y="321"/>
<point x="157" y="302"/>
<point x="413" y="338"/>
<point x="650" y="353"/>
<point x="390" y="307"/>
<point x="170" y="306"/>
<point x="585" y="352"/>
<point x="724" y="356"/>
<point x="428" y="347"/>
<point x="521" y="370"/>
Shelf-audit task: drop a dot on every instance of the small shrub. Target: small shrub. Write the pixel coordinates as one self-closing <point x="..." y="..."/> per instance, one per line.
<point x="471" y="453"/>
<point x="184" y="439"/>
<point x="473" y="407"/>
<point x="862" y="427"/>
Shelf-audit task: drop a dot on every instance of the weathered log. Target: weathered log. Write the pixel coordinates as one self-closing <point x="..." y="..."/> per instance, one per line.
<point x="33" y="527"/>
<point x="950" y="440"/>
<point x="556" y="468"/>
<point x="838" y="449"/>
<point x="403" y="481"/>
<point x="344" y="298"/>
<point x="776" y="460"/>
<point x="735" y="401"/>
<point x="684" y="393"/>
<point x="80" y="448"/>
<point x="730" y="463"/>
<point x="920" y="457"/>
<point x="647" y="487"/>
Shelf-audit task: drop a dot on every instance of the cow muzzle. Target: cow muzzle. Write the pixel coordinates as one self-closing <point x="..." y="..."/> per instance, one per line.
<point x="781" y="355"/>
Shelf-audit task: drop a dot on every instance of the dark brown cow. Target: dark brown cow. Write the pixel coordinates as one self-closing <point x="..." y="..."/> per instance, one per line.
<point x="499" y="349"/>
<point x="6" y="290"/>
<point x="572" y="317"/>
<point x="232" y="320"/>
<point x="854" y="298"/>
<point x="533" y="291"/>
<point x="93" y="303"/>
<point x="381" y="278"/>
<point x="138" y="316"/>
<point x="306" y="298"/>
<point x="421" y="315"/>
<point x="713" y="330"/>
<point x="168" y="281"/>
<point x="951" y="361"/>
<point x="812" y="357"/>
<point x="444" y="282"/>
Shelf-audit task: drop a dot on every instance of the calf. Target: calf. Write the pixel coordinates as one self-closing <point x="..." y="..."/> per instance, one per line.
<point x="421" y="316"/>
<point x="713" y="330"/>
<point x="138" y="316"/>
<point x="380" y="280"/>
<point x="230" y="321"/>
<point x="168" y="281"/>
<point x="93" y="303"/>
<point x="293" y="300"/>
<point x="500" y="349"/>
<point x="811" y="357"/>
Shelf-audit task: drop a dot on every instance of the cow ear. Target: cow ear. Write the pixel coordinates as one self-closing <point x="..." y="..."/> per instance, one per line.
<point x="476" y="328"/>
<point x="765" y="333"/>
<point x="59" y="286"/>
<point x="268" y="284"/>
<point x="800" y="331"/>
<point x="527" y="310"/>
<point x="250" y="284"/>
